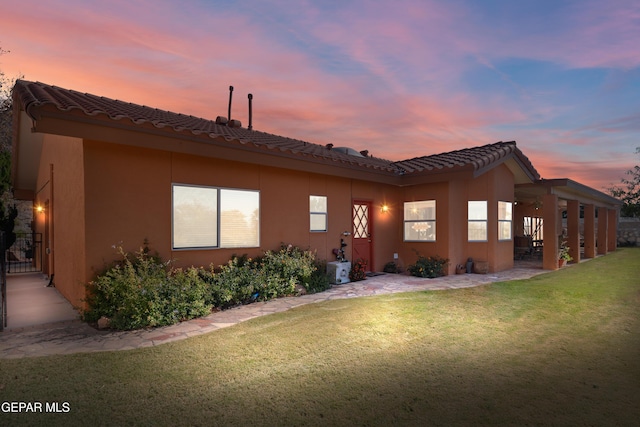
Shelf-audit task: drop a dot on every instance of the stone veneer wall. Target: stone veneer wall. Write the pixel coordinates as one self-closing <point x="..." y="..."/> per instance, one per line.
<point x="629" y="232"/>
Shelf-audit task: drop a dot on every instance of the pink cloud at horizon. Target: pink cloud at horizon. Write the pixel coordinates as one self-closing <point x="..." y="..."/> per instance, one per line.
<point x="401" y="82"/>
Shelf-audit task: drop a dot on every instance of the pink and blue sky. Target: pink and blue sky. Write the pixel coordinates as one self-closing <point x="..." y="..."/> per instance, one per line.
<point x="400" y="79"/>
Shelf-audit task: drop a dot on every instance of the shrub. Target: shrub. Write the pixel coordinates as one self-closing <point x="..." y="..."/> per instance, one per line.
<point x="184" y="296"/>
<point x="144" y="291"/>
<point x="141" y="290"/>
<point x="282" y="270"/>
<point x="235" y="283"/>
<point x="390" y="267"/>
<point x="319" y="280"/>
<point x="429" y="267"/>
<point x="358" y="270"/>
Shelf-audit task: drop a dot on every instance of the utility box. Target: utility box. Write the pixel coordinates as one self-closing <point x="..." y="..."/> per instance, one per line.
<point x="338" y="272"/>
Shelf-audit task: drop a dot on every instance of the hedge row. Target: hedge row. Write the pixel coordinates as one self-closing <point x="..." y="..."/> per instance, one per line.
<point x="141" y="290"/>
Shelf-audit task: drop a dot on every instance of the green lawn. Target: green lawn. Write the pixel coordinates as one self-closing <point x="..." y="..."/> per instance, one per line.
<point x="559" y="349"/>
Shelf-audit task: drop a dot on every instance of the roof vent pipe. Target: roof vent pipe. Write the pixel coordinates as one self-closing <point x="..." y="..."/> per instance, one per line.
<point x="250" y="127"/>
<point x="230" y="96"/>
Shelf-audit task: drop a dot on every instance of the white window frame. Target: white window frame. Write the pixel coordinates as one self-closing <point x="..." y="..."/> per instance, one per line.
<point x="318" y="214"/>
<point x="216" y="228"/>
<point x="473" y="218"/>
<point x="506" y="221"/>
<point x="421" y="220"/>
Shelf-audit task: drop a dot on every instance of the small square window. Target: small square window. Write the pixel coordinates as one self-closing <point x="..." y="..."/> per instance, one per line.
<point x="505" y="218"/>
<point x="318" y="213"/>
<point x="477" y="221"/>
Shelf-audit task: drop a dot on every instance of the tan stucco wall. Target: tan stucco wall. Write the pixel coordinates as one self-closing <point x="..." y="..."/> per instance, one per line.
<point x="503" y="190"/>
<point x="386" y="232"/>
<point x="410" y="250"/>
<point x="60" y="187"/>
<point x="493" y="186"/>
<point x="451" y="220"/>
<point x="126" y="192"/>
<point x="129" y="199"/>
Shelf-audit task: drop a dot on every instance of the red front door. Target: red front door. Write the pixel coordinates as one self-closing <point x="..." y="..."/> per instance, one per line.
<point x="362" y="240"/>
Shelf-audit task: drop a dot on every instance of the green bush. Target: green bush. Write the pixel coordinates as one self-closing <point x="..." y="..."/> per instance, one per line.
<point x="281" y="271"/>
<point x="185" y="296"/>
<point x="358" y="270"/>
<point x="141" y="290"/>
<point x="429" y="267"/>
<point x="391" y="267"/>
<point x="234" y="283"/>
<point x="319" y="280"/>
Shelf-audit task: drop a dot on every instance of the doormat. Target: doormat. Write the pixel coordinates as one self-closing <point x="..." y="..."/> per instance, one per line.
<point x="373" y="274"/>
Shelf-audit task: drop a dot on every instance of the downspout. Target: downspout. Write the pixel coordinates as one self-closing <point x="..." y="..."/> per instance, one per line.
<point x="52" y="263"/>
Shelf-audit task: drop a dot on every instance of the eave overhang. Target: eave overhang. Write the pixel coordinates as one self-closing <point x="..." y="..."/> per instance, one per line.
<point x="566" y="189"/>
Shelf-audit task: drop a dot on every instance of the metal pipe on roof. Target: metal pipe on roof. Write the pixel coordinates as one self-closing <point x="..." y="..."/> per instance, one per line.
<point x="230" y="96"/>
<point x="250" y="112"/>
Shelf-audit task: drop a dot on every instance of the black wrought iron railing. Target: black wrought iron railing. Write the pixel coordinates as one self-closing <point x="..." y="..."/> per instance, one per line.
<point x="3" y="284"/>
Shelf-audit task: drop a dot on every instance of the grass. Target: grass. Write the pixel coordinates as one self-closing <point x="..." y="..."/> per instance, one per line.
<point x="559" y="349"/>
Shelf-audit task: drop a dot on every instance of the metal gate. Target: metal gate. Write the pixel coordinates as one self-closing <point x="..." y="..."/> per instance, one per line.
<point x="3" y="285"/>
<point x="25" y="254"/>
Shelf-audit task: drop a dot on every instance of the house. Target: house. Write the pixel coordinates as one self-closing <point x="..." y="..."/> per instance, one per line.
<point x="101" y="172"/>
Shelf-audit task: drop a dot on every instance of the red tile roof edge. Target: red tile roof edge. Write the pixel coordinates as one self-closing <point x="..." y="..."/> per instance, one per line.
<point x="36" y="94"/>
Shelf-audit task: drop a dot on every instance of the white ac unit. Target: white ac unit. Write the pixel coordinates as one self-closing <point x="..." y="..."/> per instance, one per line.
<point x="338" y="272"/>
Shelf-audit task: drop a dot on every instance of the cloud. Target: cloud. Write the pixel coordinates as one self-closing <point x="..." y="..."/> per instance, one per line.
<point x="415" y="78"/>
<point x="584" y="34"/>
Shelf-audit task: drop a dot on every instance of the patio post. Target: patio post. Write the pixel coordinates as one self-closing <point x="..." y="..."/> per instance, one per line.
<point x="573" y="229"/>
<point x="603" y="233"/>
<point x="551" y="223"/>
<point x="589" y="231"/>
<point x="612" y="238"/>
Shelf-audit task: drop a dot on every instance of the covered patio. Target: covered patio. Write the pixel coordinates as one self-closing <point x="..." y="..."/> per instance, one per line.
<point x="551" y="213"/>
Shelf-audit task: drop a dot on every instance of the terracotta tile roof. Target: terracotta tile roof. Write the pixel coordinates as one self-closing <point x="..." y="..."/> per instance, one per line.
<point x="476" y="158"/>
<point x="36" y="95"/>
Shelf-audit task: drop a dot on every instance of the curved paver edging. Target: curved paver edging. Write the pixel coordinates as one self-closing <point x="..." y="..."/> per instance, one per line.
<point x="78" y="337"/>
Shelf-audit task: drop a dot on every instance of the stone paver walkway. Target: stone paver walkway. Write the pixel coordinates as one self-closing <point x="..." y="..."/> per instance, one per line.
<point x="77" y="337"/>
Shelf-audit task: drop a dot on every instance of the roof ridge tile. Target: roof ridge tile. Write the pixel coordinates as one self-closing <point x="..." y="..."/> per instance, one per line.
<point x="36" y="94"/>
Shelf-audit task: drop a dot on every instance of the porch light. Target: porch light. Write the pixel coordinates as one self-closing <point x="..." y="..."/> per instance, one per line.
<point x="39" y="209"/>
<point x="384" y="208"/>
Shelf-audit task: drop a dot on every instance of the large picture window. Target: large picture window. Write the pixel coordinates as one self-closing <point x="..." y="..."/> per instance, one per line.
<point x="505" y="219"/>
<point x="209" y="217"/>
<point x="477" y="221"/>
<point x="420" y="221"/>
<point x="318" y="213"/>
